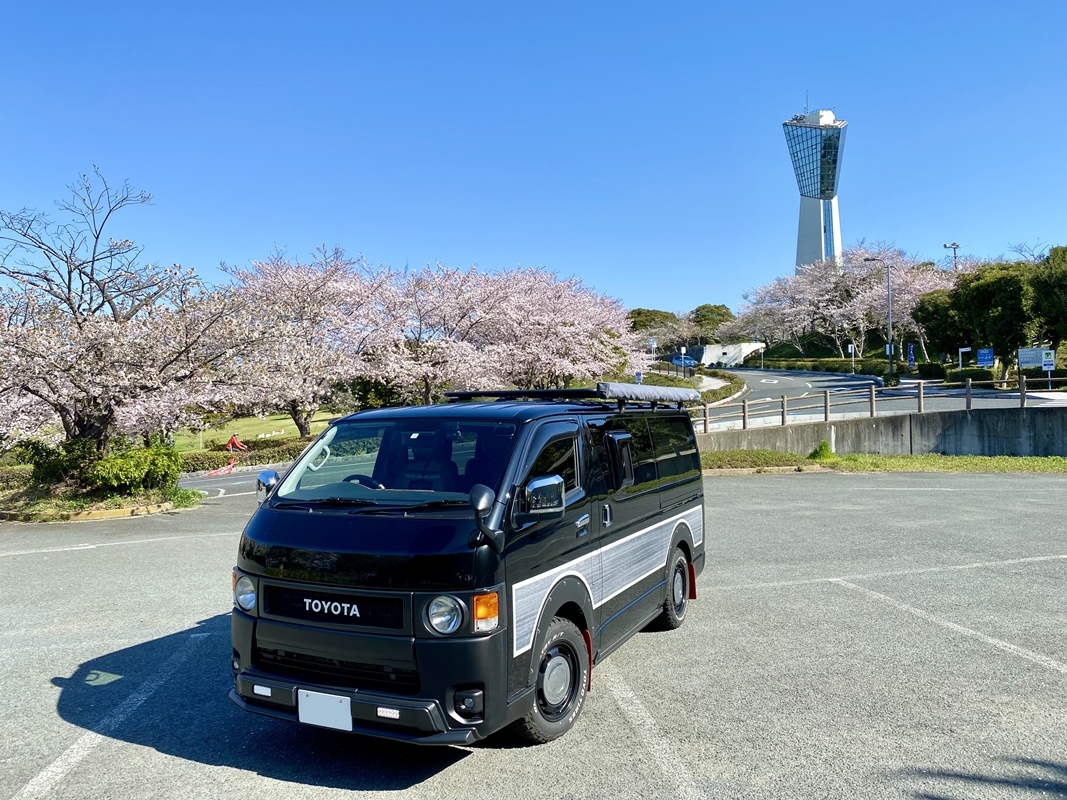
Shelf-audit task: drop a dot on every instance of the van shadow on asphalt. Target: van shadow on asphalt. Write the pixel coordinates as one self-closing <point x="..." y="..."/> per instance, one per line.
<point x="190" y="716"/>
<point x="1043" y="778"/>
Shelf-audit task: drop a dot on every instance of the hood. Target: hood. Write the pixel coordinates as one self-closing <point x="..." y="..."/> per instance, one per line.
<point x="379" y="551"/>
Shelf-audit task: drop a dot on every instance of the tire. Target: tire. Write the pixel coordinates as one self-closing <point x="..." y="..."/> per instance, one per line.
<point x="562" y="678"/>
<point x="677" y="600"/>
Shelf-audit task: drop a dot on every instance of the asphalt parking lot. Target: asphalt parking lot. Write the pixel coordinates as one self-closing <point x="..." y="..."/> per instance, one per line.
<point x="895" y="635"/>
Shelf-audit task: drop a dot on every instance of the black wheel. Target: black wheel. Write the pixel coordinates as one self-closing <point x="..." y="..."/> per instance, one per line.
<point x="677" y="599"/>
<point x="562" y="677"/>
<point x="365" y="480"/>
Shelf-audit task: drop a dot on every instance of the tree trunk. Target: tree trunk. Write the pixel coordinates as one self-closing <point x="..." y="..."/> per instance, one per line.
<point x="302" y="417"/>
<point x="90" y="423"/>
<point x="427" y="393"/>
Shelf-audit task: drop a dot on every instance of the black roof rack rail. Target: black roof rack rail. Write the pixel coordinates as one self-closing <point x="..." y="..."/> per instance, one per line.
<point x="620" y="392"/>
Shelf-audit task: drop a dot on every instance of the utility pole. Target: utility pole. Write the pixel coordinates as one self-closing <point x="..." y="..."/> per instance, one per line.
<point x="953" y="247"/>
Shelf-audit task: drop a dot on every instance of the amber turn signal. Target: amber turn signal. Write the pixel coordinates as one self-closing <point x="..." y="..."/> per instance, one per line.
<point x="486" y="612"/>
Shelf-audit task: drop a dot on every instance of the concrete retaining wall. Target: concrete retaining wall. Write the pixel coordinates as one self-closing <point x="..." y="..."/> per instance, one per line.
<point x="983" y="432"/>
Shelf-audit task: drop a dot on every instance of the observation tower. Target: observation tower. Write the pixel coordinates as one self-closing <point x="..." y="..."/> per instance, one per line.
<point x="816" y="142"/>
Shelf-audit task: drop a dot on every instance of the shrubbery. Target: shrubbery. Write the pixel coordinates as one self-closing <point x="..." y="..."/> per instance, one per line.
<point x="283" y="451"/>
<point x="15" y="477"/>
<point x="68" y="462"/>
<point x="931" y="371"/>
<point x="136" y="470"/>
<point x="864" y="366"/>
<point x="974" y="373"/>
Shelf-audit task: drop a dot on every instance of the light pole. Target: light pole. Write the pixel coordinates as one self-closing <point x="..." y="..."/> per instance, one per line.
<point x="953" y="247"/>
<point x="889" y="318"/>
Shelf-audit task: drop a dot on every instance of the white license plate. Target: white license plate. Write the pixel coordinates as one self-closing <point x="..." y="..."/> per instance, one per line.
<point x="324" y="710"/>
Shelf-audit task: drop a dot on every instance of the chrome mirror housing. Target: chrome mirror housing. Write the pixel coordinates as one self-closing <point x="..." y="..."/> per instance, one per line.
<point x="265" y="483"/>
<point x="545" y="497"/>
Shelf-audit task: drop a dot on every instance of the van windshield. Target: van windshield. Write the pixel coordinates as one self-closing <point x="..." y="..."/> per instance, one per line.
<point x="400" y="462"/>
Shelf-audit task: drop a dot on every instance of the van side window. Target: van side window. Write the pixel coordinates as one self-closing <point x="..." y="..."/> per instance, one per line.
<point x="558" y="458"/>
<point x="643" y="454"/>
<point x="676" y="447"/>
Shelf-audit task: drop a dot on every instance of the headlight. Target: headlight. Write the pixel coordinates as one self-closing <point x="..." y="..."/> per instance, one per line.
<point x="244" y="593"/>
<point x="445" y="614"/>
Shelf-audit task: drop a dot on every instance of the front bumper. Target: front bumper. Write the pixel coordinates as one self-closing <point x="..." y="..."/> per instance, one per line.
<point x="428" y="717"/>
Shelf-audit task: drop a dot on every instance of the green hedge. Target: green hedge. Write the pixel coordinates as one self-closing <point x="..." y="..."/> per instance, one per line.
<point x="210" y="459"/>
<point x="864" y="366"/>
<point x="974" y="373"/>
<point x="15" y="477"/>
<point x="931" y="370"/>
<point x="1032" y="373"/>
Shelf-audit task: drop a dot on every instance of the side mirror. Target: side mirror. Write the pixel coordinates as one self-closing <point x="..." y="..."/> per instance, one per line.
<point x="544" y="497"/>
<point x="482" y="499"/>
<point x="265" y="483"/>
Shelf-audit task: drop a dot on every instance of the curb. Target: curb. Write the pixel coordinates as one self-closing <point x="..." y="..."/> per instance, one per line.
<point x="80" y="516"/>
<point x="726" y="400"/>
<point x="711" y="473"/>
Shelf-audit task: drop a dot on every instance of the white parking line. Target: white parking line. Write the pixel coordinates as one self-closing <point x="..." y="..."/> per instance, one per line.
<point x="1000" y="644"/>
<point x="46" y="779"/>
<point x="890" y="574"/>
<point x="672" y="766"/>
<point x="115" y="544"/>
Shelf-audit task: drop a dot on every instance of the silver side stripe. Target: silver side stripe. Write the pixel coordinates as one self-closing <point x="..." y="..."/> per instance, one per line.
<point x="606" y="573"/>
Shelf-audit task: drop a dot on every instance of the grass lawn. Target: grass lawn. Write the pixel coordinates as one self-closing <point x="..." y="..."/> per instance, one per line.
<point x="48" y="502"/>
<point x="248" y="428"/>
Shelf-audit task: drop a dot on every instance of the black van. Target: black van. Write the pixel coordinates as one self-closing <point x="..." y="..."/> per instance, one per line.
<point x="434" y="574"/>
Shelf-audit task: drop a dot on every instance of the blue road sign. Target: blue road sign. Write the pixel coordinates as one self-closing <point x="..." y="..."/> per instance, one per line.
<point x="911" y="355"/>
<point x="638" y="376"/>
<point x="985" y="356"/>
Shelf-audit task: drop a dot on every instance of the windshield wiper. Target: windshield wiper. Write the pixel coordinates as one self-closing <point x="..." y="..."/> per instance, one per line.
<point x="424" y="506"/>
<point x="326" y="501"/>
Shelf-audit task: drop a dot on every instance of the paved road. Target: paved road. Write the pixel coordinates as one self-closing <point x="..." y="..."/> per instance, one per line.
<point x="807" y="388"/>
<point x="855" y="636"/>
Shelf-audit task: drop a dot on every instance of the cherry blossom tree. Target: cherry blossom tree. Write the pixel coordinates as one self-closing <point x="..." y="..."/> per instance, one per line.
<point x="86" y="328"/>
<point x="552" y="331"/>
<point x="321" y="323"/>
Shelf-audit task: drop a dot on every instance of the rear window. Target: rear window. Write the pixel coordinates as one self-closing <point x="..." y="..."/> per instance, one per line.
<point x="676" y="448"/>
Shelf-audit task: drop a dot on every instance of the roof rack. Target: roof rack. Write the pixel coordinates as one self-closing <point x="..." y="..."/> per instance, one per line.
<point x="620" y="392"/>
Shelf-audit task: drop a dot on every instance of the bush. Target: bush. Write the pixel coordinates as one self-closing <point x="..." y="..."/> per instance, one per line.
<point x="15" y="477"/>
<point x="136" y="470"/>
<point x="974" y="373"/>
<point x="821" y="452"/>
<point x="209" y="460"/>
<point x="931" y="370"/>
<point x="864" y="366"/>
<point x="70" y="461"/>
<point x="891" y="379"/>
<point x="1036" y="373"/>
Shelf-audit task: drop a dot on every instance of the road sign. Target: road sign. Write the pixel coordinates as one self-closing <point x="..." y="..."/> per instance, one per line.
<point x="1048" y="360"/>
<point x="1032" y="357"/>
<point x="911" y="355"/>
<point x="638" y="376"/>
<point x="985" y="356"/>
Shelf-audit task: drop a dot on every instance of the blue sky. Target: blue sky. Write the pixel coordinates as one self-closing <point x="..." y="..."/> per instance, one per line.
<point x="638" y="146"/>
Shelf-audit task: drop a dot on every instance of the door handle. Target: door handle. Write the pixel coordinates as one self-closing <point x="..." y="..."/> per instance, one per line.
<point x="582" y="525"/>
<point x="607" y="516"/>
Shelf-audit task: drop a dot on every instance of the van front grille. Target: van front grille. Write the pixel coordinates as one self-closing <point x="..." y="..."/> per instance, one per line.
<point x="334" y="672"/>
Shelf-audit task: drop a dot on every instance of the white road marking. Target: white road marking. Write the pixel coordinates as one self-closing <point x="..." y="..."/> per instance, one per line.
<point x="767" y="380"/>
<point x="1000" y="644"/>
<point x="46" y="779"/>
<point x="892" y="574"/>
<point x="808" y="385"/>
<point x="115" y="544"/>
<point x="672" y="766"/>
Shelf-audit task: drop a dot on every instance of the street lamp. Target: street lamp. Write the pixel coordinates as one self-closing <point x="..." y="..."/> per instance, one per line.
<point x="889" y="319"/>
<point x="953" y="247"/>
